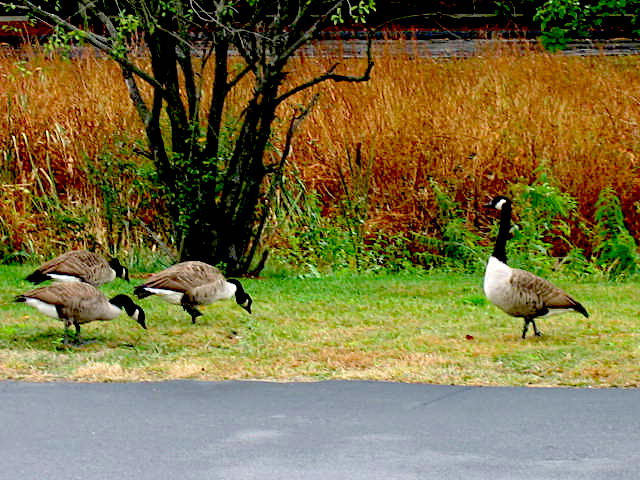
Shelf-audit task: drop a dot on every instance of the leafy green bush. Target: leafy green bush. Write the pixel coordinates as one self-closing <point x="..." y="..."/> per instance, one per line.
<point x="615" y="249"/>
<point x="561" y="20"/>
<point x="542" y="229"/>
<point x="457" y="247"/>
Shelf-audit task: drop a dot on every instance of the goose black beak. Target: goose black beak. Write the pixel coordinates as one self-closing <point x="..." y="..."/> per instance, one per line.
<point x="141" y="318"/>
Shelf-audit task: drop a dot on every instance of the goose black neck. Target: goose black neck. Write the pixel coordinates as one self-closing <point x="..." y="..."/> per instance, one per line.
<point x="124" y="302"/>
<point x="121" y="270"/>
<point x="238" y="285"/>
<point x="500" y="248"/>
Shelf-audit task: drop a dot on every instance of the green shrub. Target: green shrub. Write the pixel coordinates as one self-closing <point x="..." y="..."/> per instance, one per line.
<point x="615" y="249"/>
<point x="542" y="224"/>
<point x="457" y="247"/>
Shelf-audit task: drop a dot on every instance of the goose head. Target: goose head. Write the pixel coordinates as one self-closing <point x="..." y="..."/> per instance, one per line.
<point x="121" y="270"/>
<point x="242" y="298"/>
<point x="498" y="202"/>
<point x="134" y="311"/>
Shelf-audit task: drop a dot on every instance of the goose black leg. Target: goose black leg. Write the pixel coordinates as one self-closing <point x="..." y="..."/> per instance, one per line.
<point x="528" y="321"/>
<point x="193" y="311"/>
<point x="525" y="328"/>
<point x="66" y="334"/>
<point x="538" y="333"/>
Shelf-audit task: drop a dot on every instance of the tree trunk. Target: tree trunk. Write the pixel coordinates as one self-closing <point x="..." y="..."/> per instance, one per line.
<point x="224" y="232"/>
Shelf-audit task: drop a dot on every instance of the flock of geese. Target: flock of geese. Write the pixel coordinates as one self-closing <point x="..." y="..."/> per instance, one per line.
<point x="74" y="298"/>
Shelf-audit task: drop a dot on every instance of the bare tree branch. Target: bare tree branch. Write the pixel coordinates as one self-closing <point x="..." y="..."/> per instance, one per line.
<point x="329" y="75"/>
<point x="101" y="43"/>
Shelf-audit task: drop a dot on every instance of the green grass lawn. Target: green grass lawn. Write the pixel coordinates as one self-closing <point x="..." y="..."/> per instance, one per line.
<point x="435" y="328"/>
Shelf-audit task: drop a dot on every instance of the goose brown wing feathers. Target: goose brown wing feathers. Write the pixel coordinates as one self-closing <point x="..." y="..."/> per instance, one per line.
<point x="184" y="276"/>
<point x="61" y="293"/>
<point x="74" y="262"/>
<point x="79" y="301"/>
<point x="537" y="294"/>
<point x="87" y="266"/>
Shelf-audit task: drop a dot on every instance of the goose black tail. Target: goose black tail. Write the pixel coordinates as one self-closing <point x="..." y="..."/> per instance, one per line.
<point x="38" y="277"/>
<point x="140" y="292"/>
<point x="579" y="308"/>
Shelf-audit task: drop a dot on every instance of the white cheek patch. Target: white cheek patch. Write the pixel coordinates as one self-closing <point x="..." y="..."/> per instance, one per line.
<point x="500" y="204"/>
<point x="135" y="314"/>
<point x="245" y="304"/>
<point x="46" y="308"/>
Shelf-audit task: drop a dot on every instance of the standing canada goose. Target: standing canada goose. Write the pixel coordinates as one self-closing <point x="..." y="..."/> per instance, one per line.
<point x="80" y="266"/>
<point x="77" y="303"/>
<point x="518" y="292"/>
<point x="191" y="284"/>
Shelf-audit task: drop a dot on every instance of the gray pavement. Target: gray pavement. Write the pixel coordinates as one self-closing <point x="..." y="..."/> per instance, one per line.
<point x="325" y="430"/>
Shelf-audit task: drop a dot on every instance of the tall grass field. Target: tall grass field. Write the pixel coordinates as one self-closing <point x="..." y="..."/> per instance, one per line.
<point x="383" y="154"/>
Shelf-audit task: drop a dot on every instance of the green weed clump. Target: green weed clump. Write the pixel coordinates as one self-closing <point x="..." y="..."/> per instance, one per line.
<point x="616" y="250"/>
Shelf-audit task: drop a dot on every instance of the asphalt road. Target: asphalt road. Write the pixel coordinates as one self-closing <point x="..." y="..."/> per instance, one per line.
<point x="330" y="430"/>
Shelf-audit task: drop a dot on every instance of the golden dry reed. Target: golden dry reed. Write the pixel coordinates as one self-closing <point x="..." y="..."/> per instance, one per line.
<point x="57" y="117"/>
<point x="474" y="125"/>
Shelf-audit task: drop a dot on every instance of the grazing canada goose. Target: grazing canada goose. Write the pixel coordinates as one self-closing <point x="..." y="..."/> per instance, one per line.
<point x="518" y="292"/>
<point x="191" y="284"/>
<point x="77" y="303"/>
<point x="80" y="266"/>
